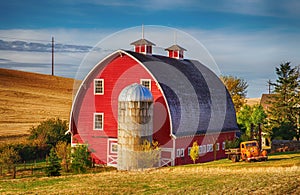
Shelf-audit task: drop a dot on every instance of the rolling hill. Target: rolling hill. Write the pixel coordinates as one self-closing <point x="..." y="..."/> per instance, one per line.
<point x="29" y="98"/>
<point x="26" y="99"/>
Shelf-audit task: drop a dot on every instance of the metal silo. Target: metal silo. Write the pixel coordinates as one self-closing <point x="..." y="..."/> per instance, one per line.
<point x="135" y="125"/>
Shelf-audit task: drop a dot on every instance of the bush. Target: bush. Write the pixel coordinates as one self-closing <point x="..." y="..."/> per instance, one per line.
<point x="53" y="168"/>
<point x="50" y="132"/>
<point x="81" y="159"/>
<point x="8" y="157"/>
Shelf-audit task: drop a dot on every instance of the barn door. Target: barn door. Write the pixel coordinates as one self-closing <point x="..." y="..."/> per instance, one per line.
<point x="112" y="152"/>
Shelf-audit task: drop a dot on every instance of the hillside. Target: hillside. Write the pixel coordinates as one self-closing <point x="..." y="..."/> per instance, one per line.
<point x="29" y="98"/>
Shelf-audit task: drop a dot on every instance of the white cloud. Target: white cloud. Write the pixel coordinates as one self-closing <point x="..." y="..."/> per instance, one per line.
<point x="250" y="55"/>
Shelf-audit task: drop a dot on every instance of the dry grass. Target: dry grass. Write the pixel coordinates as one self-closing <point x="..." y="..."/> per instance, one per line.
<point x="280" y="175"/>
<point x="28" y="98"/>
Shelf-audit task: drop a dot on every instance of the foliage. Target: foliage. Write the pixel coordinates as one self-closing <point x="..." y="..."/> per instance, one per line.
<point x="148" y="154"/>
<point x="81" y="159"/>
<point x="194" y="152"/>
<point x="63" y="151"/>
<point x="249" y="118"/>
<point x="49" y="132"/>
<point x="284" y="107"/>
<point x="237" y="89"/>
<point x="9" y="157"/>
<point x="54" y="167"/>
<point x="235" y="143"/>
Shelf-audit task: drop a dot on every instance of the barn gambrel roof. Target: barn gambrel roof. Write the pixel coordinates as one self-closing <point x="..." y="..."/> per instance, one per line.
<point x="197" y="100"/>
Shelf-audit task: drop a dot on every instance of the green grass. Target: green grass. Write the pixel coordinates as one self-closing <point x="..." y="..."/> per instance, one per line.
<point x="281" y="175"/>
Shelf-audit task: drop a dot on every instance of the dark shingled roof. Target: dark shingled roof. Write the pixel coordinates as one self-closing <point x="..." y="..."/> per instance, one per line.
<point x="142" y="42"/>
<point x="197" y="99"/>
<point x="175" y="48"/>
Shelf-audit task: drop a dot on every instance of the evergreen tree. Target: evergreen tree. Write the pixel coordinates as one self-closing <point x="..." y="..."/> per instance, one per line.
<point x="81" y="159"/>
<point x="283" y="111"/>
<point x="54" y="167"/>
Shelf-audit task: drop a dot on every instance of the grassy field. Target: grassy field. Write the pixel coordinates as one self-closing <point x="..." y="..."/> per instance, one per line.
<point x="26" y="99"/>
<point x="279" y="175"/>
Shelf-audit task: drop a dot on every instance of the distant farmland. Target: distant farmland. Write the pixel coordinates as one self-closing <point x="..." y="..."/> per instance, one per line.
<point x="26" y="99"/>
<point x="29" y="98"/>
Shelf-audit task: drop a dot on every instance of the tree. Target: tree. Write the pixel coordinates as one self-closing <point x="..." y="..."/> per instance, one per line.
<point x="249" y="118"/>
<point x="49" y="132"/>
<point x="284" y="110"/>
<point x="53" y="168"/>
<point x="237" y="89"/>
<point x="194" y="152"/>
<point x="63" y="151"/>
<point x="81" y="159"/>
<point x="9" y="157"/>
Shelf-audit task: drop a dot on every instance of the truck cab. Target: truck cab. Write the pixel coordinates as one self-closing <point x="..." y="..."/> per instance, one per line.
<point x="250" y="151"/>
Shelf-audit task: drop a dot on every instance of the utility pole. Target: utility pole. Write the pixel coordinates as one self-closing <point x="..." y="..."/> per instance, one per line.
<point x="269" y="86"/>
<point x="52" y="56"/>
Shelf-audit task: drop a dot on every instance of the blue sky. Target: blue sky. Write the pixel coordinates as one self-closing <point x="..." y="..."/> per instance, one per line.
<point x="247" y="39"/>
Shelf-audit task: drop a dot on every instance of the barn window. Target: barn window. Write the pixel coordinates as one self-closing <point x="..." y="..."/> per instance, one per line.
<point x="209" y="147"/>
<point x="182" y="152"/>
<point x="114" y="148"/>
<point x="218" y="147"/>
<point x="146" y="83"/>
<point x="98" y="121"/>
<point x="99" y="86"/>
<point x="178" y="153"/>
<point x="223" y="146"/>
<point x="202" y="149"/>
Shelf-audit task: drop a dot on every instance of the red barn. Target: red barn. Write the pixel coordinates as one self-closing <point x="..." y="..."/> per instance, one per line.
<point x="190" y="103"/>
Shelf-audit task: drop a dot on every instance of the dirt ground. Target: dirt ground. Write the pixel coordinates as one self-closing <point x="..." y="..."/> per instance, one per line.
<point x="26" y="99"/>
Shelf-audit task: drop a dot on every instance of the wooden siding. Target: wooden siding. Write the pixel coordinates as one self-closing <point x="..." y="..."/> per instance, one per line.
<point x="186" y="142"/>
<point x="119" y="73"/>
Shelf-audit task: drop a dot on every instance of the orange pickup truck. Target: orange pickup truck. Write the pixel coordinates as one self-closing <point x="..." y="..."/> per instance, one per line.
<point x="248" y="151"/>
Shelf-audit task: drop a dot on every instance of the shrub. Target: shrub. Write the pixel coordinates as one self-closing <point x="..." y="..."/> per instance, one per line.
<point x="53" y="168"/>
<point x="81" y="159"/>
<point x="49" y="132"/>
<point x="8" y="157"/>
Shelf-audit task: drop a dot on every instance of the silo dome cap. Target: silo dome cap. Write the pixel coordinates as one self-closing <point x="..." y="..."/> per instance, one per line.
<point x="135" y="92"/>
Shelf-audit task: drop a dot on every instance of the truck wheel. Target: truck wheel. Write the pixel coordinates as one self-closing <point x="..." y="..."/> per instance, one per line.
<point x="233" y="158"/>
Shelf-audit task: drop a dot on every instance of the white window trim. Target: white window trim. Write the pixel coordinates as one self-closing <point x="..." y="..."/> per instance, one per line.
<point x="189" y="151"/>
<point x="218" y="147"/>
<point x="95" y="86"/>
<point x="202" y="149"/>
<point x="98" y="113"/>
<point x="149" y="80"/>
<point x="182" y="152"/>
<point x="178" y="152"/>
<point x="223" y="145"/>
<point x="111" y="147"/>
<point x="210" y="148"/>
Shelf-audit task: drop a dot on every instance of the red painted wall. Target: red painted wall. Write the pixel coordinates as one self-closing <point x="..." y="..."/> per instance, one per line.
<point x="118" y="74"/>
<point x="187" y="142"/>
